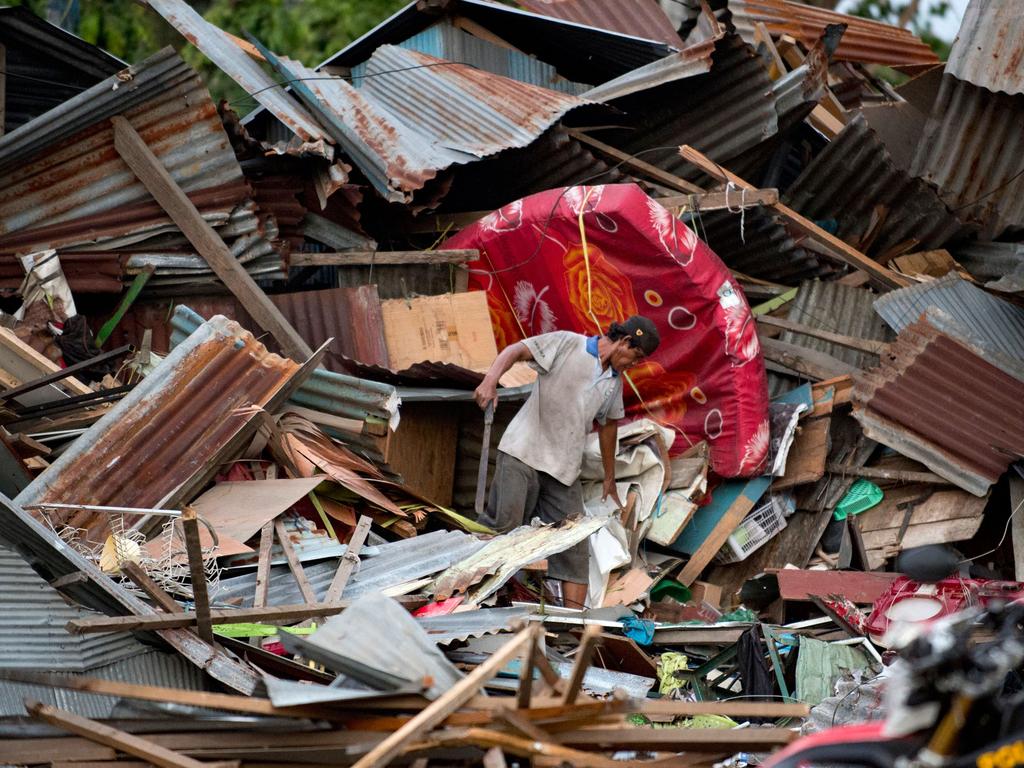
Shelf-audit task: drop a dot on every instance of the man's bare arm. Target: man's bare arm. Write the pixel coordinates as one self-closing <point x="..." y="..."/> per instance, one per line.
<point x="606" y="438"/>
<point x="487" y="392"/>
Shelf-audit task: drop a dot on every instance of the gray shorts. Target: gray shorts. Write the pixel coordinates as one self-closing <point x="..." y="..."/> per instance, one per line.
<point x="520" y="493"/>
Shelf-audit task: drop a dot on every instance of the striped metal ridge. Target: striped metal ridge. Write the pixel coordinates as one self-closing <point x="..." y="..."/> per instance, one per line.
<point x="415" y="115"/>
<point x="830" y="306"/>
<point x="989" y="48"/>
<point x="864" y="40"/>
<point x="990" y="261"/>
<point x="999" y="324"/>
<point x="164" y="435"/>
<point x="942" y="401"/>
<point x="852" y="176"/>
<point x="971" y="150"/>
<point x="224" y="51"/>
<point x="637" y="18"/>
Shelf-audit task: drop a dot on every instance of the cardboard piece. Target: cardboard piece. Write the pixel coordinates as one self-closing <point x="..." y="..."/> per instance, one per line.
<point x="451" y="328"/>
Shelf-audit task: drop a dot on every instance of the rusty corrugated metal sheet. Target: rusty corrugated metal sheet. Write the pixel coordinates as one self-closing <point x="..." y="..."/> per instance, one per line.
<point x="637" y="18"/>
<point x="222" y="50"/>
<point x="164" y="435"/>
<point x="952" y="404"/>
<point x="414" y="115"/>
<point x="989" y="48"/>
<point x="351" y="316"/>
<point x="61" y="179"/>
<point x="85" y="272"/>
<point x="971" y="150"/>
<point x="864" y="40"/>
<point x="852" y="176"/>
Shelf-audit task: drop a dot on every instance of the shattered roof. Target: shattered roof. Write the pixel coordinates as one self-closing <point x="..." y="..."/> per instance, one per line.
<point x="989" y="48"/>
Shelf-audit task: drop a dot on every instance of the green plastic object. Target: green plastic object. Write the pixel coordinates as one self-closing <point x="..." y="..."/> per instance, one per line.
<point x="862" y="496"/>
<point x="671" y="588"/>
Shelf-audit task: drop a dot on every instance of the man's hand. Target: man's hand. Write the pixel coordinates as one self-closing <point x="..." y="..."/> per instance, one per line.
<point x="486" y="394"/>
<point x="609" y="489"/>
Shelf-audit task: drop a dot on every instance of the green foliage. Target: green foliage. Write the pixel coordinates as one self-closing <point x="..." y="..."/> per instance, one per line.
<point x="306" y="30"/>
<point x="921" y="25"/>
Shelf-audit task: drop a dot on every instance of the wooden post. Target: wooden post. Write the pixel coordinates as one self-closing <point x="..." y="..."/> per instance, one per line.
<point x="294" y="565"/>
<point x="259" y="600"/>
<point x="111" y="737"/>
<point x="190" y="524"/>
<point x="588" y="643"/>
<point x="348" y="560"/>
<point x="528" y="663"/>
<point x="153" y="590"/>
<point x="444" y="705"/>
<point x="151" y="172"/>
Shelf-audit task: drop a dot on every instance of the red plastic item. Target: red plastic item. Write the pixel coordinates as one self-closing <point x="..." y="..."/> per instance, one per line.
<point x="706" y="380"/>
<point x="440" y="608"/>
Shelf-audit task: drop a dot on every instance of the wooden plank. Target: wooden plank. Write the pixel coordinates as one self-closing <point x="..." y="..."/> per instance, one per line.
<point x="190" y="525"/>
<point x="294" y="565"/>
<point x="659" y="175"/>
<point x="525" y="726"/>
<point x="1017" y="510"/>
<point x="862" y="587"/>
<point x="588" y="644"/>
<point x="526" y="667"/>
<point x="680" y="739"/>
<point x="381" y="258"/>
<point x="277" y="615"/>
<point x="348" y="560"/>
<point x="808" y="362"/>
<point x="23" y="364"/>
<point x="738" y="708"/>
<point x="450" y="328"/>
<point x="897" y="475"/>
<point x="445" y="704"/>
<point x="153" y="590"/>
<point x="423" y="450"/>
<point x="154" y="176"/>
<point x="263" y="566"/>
<point x="52" y="748"/>
<point x="530" y="748"/>
<point x="111" y="737"/>
<point x="807" y="456"/>
<point x="851" y="342"/>
<point x="831" y="245"/>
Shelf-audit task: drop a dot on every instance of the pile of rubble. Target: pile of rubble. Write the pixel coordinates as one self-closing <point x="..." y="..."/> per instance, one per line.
<point x="240" y="448"/>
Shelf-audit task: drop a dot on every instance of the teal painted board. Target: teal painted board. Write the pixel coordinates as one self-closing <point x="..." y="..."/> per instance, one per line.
<point x="801" y="394"/>
<point x="722" y="499"/>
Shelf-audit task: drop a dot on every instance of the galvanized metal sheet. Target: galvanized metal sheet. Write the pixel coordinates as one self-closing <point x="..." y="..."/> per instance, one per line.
<point x="463" y="625"/>
<point x="166" y="432"/>
<point x="987" y="261"/>
<point x="989" y="48"/>
<point x="950" y="402"/>
<point x="853" y="176"/>
<point x="999" y="324"/>
<point x="640" y="18"/>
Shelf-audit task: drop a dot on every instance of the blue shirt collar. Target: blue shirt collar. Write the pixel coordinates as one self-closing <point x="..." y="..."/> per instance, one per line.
<point x="592" y="349"/>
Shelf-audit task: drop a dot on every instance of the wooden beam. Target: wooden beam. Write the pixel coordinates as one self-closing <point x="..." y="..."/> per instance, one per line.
<point x="851" y="342"/>
<point x="294" y="565"/>
<point x="720" y="201"/>
<point x="259" y="600"/>
<point x="154" y="591"/>
<point x="828" y="243"/>
<point x="435" y="714"/>
<point x="807" y="362"/>
<point x="111" y="737"/>
<point x="277" y="615"/>
<point x="190" y="525"/>
<point x="488" y="738"/>
<point x="896" y="475"/>
<point x="680" y="739"/>
<point x="154" y="176"/>
<point x="348" y="560"/>
<point x="525" y="726"/>
<point x="743" y="709"/>
<point x="647" y="169"/>
<point x="527" y="665"/>
<point x="588" y="644"/>
<point x="382" y="258"/>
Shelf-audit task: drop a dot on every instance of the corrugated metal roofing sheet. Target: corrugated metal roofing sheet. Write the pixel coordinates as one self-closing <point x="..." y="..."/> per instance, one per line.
<point x="414" y="115"/>
<point x="990" y="261"/>
<point x="637" y="18"/>
<point x="830" y="306"/>
<point x="62" y="181"/>
<point x="946" y="403"/>
<point x="852" y="176"/>
<point x="463" y="625"/>
<point x="864" y="40"/>
<point x="971" y="150"/>
<point x="999" y="324"/>
<point x="233" y="61"/>
<point x="45" y="65"/>
<point x="989" y="48"/>
<point x="166" y="432"/>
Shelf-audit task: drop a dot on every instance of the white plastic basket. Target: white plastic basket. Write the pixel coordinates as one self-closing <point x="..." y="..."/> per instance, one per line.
<point x="753" y="533"/>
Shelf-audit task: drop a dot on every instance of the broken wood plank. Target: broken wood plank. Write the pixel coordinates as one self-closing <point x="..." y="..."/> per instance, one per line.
<point x="742" y="709"/>
<point x="527" y="665"/>
<point x="263" y="566"/>
<point x="653" y="172"/>
<point x="382" y="258"/>
<point x="897" y="475"/>
<point x="348" y="560"/>
<point x="21" y="364"/>
<point x="680" y="739"/>
<point x="807" y="456"/>
<point x="487" y="738"/>
<point x="808" y="362"/>
<point x="196" y="569"/>
<point x="110" y="737"/>
<point x="445" y="704"/>
<point x="585" y="651"/>
<point x="275" y="615"/>
<point x="155" y="178"/>
<point x="851" y="342"/>
<point x="154" y="591"/>
<point x="830" y="244"/>
<point x="294" y="565"/>
<point x="51" y="748"/>
<point x="526" y="727"/>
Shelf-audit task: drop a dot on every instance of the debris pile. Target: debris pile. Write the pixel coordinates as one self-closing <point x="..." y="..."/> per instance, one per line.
<point x="244" y="463"/>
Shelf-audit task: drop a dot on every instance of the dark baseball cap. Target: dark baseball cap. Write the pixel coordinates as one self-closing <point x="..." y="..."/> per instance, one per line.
<point x="641" y="333"/>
